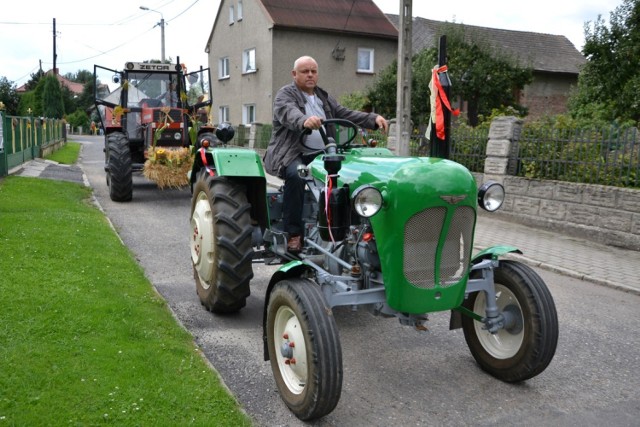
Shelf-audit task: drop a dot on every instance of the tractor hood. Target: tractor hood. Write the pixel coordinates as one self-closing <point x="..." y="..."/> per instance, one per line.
<point x="428" y="216"/>
<point x="407" y="183"/>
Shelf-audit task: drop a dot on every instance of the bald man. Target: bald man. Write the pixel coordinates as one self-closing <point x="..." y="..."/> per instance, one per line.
<point x="300" y="107"/>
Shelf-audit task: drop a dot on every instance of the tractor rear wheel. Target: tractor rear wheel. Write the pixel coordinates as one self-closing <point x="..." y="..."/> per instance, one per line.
<point x="220" y="242"/>
<point x="304" y="348"/>
<point x="525" y="347"/>
<point x="119" y="175"/>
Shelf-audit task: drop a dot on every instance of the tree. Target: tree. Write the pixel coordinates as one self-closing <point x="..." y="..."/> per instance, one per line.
<point x="609" y="83"/>
<point x="82" y="76"/>
<point x="481" y="75"/>
<point x="34" y="80"/>
<point x="52" y="101"/>
<point x="78" y="118"/>
<point x="85" y="100"/>
<point x="383" y="93"/>
<point x="9" y="96"/>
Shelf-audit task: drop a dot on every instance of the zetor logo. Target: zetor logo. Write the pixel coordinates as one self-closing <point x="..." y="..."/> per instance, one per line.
<point x="141" y="66"/>
<point x="158" y="67"/>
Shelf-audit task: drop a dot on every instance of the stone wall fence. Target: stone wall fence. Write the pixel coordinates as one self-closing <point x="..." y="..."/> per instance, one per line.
<point x="604" y="214"/>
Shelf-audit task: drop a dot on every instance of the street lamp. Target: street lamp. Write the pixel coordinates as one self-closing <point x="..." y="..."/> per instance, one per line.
<point x="161" y="23"/>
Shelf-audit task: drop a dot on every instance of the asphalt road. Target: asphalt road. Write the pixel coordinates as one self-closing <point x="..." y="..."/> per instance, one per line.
<point x="393" y="375"/>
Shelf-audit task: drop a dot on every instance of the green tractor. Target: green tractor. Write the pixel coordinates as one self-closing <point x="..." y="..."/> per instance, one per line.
<point x="391" y="235"/>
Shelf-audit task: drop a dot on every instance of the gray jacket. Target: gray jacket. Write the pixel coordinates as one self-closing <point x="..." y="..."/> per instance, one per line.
<point x="288" y="119"/>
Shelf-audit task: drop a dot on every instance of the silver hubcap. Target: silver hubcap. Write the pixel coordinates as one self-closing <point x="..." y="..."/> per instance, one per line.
<point x="292" y="355"/>
<point x="506" y="342"/>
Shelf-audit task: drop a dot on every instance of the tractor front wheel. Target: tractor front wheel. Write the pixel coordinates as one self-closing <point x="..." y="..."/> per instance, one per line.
<point x="119" y="175"/>
<point x="304" y="348"/>
<point x="220" y="241"/>
<point x="526" y="345"/>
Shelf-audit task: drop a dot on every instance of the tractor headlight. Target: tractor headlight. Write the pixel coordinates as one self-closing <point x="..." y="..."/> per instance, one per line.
<point x="177" y="136"/>
<point x="491" y="196"/>
<point x="367" y="200"/>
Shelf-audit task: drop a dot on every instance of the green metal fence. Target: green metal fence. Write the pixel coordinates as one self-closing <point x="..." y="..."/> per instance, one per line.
<point x="605" y="156"/>
<point x="23" y="138"/>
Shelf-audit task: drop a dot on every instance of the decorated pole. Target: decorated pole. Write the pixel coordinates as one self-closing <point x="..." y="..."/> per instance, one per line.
<point x="440" y="135"/>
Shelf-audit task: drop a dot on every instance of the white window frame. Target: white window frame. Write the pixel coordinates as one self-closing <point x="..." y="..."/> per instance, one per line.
<point x="231" y="19"/>
<point x="223" y="113"/>
<point x="371" y="57"/>
<point x="223" y="68"/>
<point x="239" y="16"/>
<point x="248" y="114"/>
<point x="249" y="61"/>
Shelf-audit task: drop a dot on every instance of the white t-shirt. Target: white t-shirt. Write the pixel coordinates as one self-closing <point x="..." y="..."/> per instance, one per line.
<point x="313" y="106"/>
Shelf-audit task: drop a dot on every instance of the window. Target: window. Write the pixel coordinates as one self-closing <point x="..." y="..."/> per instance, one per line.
<point x="223" y="68"/>
<point x="365" y="60"/>
<point x="239" y="10"/>
<point x="223" y="113"/>
<point x="248" y="114"/>
<point x="231" y="15"/>
<point x="249" y="61"/>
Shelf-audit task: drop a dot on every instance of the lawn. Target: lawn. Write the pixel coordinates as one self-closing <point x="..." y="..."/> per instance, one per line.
<point x="85" y="339"/>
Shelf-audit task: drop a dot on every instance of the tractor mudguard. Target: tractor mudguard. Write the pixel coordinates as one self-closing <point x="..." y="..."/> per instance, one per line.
<point x="494" y="252"/>
<point x="228" y="162"/>
<point x="240" y="165"/>
<point x="290" y="269"/>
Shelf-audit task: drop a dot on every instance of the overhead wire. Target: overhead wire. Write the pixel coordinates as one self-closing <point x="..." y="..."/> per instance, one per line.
<point x="121" y="22"/>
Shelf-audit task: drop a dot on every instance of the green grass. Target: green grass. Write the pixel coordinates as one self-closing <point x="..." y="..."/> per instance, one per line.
<point x="84" y="338"/>
<point x="67" y="155"/>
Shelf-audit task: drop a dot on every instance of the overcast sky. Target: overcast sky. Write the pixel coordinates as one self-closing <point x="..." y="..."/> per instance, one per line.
<point x="113" y="32"/>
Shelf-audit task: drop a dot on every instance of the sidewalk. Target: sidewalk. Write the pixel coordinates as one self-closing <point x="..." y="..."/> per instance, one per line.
<point x="582" y="259"/>
<point x="578" y="258"/>
<point x="41" y="168"/>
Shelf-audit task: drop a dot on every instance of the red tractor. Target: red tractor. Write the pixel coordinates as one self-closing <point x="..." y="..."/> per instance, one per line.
<point x="152" y="110"/>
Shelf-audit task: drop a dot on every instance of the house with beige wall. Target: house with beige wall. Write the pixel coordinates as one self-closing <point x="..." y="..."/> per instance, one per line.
<point x="253" y="44"/>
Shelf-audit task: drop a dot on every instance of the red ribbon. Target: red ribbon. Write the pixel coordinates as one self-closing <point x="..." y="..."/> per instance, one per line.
<point x="204" y="162"/>
<point x="441" y="98"/>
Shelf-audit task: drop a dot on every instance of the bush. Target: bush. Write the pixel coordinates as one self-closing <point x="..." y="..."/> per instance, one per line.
<point x="79" y="118"/>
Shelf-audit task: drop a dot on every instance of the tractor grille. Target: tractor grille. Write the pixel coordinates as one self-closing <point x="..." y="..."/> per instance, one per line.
<point x="175" y="114"/>
<point x="421" y="246"/>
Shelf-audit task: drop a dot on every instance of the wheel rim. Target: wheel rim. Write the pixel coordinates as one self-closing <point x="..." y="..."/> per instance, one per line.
<point x="507" y="341"/>
<point x="291" y="352"/>
<point x="202" y="239"/>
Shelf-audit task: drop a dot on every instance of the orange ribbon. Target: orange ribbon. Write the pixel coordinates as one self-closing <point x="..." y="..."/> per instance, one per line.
<point x="441" y="98"/>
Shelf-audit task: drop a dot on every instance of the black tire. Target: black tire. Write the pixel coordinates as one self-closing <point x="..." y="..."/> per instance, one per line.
<point x="220" y="242"/>
<point x="120" y="178"/>
<point x="304" y="348"/>
<point x="525" y="348"/>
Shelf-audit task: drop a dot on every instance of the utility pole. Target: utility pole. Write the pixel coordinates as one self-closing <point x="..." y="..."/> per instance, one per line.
<point x="161" y="24"/>
<point x="55" y="55"/>
<point x="403" y="107"/>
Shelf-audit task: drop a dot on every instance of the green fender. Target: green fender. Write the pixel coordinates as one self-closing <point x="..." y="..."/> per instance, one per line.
<point x="494" y="252"/>
<point x="290" y="269"/>
<point x="242" y="165"/>
<point x="228" y="162"/>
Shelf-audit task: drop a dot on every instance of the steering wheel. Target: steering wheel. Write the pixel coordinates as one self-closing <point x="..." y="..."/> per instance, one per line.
<point x="343" y="122"/>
